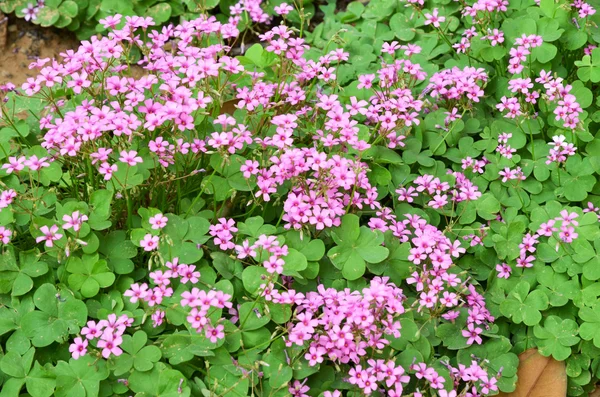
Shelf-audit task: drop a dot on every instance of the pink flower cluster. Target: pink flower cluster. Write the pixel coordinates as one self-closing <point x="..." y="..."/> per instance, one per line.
<point x="325" y="187"/>
<point x="382" y="374"/>
<point x="567" y="109"/>
<point x="503" y="148"/>
<point x="560" y="150"/>
<point x="252" y="7"/>
<point x="223" y="233"/>
<point x="440" y="192"/>
<point x="522" y="48"/>
<point x="508" y="174"/>
<point x="527" y="248"/>
<point x="584" y="9"/>
<point x="108" y="332"/>
<point x="486" y="7"/>
<point x="200" y="301"/>
<point x="342" y="325"/>
<point x="475" y="165"/>
<point x="458" y="84"/>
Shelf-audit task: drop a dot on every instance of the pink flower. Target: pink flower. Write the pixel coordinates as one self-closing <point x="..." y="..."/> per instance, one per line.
<point x="131" y="158"/>
<point x="157" y="318"/>
<point x="187" y="273"/>
<point x="49" y="235"/>
<point x="365" y="81"/>
<point x="149" y="243"/>
<point x="158" y="221"/>
<point x="14" y="164"/>
<point x="434" y="19"/>
<point x="249" y="168"/>
<point x="75" y="220"/>
<point x="109" y="343"/>
<point x="503" y="270"/>
<point x="107" y="170"/>
<point x="283" y="9"/>
<point x="136" y="292"/>
<point x="5" y="235"/>
<point x="91" y="331"/>
<point x="274" y="265"/>
<point x="36" y="164"/>
<point x="216" y="333"/>
<point x="472" y="333"/>
<point x="78" y="348"/>
<point x="110" y="21"/>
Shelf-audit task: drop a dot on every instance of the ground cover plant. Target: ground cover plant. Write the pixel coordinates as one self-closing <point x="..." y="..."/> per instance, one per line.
<point x="400" y="206"/>
<point x="83" y="16"/>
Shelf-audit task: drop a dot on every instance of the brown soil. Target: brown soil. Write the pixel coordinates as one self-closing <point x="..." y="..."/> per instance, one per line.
<point x="27" y="42"/>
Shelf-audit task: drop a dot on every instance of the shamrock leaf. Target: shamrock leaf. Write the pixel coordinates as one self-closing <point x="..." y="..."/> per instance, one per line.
<point x="56" y="318"/>
<point x="507" y="239"/>
<point x="589" y="67"/>
<point x="254" y="227"/>
<point x="524" y="307"/>
<point x="559" y="287"/>
<point x="38" y="380"/>
<point x="136" y="354"/>
<point x="487" y="206"/>
<point x="589" y="329"/>
<point x="118" y="251"/>
<point x="160" y="382"/>
<point x="355" y="246"/>
<point x="100" y="209"/>
<point x="89" y="274"/>
<point x="80" y="377"/>
<point x="577" y="180"/>
<point x="556" y="337"/>
<point x="294" y="262"/>
<point x="18" y="278"/>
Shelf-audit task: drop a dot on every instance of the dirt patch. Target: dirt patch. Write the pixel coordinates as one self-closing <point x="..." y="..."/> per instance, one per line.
<point x="27" y="42"/>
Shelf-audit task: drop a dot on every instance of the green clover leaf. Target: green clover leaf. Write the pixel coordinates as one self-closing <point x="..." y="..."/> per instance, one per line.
<point x="160" y="382"/>
<point x="39" y="381"/>
<point x="80" y="377"/>
<point x="589" y="67"/>
<point x="18" y="278"/>
<point x="355" y="246"/>
<point x="556" y="337"/>
<point x="523" y="306"/>
<point x="56" y="318"/>
<point x="88" y="274"/>
<point x="136" y="354"/>
<point x="589" y="328"/>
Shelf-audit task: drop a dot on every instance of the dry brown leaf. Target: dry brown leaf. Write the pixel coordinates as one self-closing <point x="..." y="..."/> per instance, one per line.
<point x="595" y="393"/>
<point x="539" y="376"/>
<point x="229" y="106"/>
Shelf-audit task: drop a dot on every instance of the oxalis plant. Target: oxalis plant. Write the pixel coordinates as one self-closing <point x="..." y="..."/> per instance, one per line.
<point x="284" y="222"/>
<point x="83" y="16"/>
